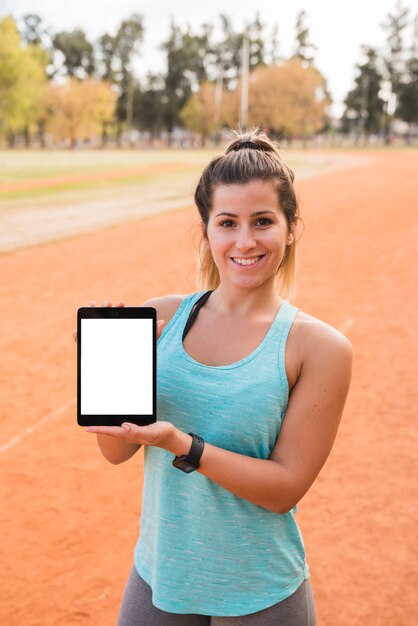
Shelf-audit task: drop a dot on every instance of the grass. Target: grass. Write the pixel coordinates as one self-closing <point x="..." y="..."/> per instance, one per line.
<point x="37" y="164"/>
<point x="28" y="165"/>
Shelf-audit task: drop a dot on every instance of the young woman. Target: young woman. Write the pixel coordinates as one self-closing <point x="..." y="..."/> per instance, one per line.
<point x="251" y="392"/>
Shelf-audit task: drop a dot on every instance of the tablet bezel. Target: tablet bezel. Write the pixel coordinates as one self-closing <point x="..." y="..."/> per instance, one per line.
<point x="117" y="313"/>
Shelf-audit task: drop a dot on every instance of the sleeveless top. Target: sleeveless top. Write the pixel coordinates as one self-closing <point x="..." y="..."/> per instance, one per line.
<point x="201" y="548"/>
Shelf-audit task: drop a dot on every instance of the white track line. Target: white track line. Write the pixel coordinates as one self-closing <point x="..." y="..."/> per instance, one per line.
<point x="31" y="429"/>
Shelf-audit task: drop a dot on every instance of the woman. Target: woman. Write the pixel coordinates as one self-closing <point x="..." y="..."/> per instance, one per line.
<point x="250" y="395"/>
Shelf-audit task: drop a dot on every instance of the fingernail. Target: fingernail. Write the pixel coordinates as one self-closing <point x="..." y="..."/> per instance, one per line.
<point x="126" y="426"/>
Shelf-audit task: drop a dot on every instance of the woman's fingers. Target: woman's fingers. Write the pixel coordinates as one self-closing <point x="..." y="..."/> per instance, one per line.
<point x="108" y="303"/>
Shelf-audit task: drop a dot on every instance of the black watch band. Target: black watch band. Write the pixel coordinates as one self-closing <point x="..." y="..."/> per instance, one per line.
<point x="190" y="462"/>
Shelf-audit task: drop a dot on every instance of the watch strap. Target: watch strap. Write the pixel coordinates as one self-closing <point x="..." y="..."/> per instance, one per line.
<point x="195" y="452"/>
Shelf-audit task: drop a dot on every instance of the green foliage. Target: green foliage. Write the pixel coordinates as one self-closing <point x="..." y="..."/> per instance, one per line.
<point x="184" y="67"/>
<point x="148" y="108"/>
<point x="115" y="63"/>
<point x="32" y="30"/>
<point x="77" y="52"/>
<point x="304" y="49"/>
<point x="407" y="108"/>
<point x="364" y="107"/>
<point x="22" y="80"/>
<point x="394" y="56"/>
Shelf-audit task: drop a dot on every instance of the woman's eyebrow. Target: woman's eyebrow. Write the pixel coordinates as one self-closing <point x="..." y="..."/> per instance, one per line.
<point x="251" y="214"/>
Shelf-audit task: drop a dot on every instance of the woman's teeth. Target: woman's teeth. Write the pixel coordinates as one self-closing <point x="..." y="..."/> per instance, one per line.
<point x="246" y="261"/>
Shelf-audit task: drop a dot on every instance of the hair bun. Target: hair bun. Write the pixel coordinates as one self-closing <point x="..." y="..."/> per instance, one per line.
<point x="252" y="139"/>
<point x="246" y="144"/>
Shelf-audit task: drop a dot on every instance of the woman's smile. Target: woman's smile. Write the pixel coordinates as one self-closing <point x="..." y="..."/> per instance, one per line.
<point x="248" y="262"/>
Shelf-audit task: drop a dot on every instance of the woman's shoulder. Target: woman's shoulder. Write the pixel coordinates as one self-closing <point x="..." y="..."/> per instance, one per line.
<point x="313" y="337"/>
<point x="166" y="306"/>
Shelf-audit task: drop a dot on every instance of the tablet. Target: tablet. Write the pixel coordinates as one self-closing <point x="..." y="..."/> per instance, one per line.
<point x="116" y="365"/>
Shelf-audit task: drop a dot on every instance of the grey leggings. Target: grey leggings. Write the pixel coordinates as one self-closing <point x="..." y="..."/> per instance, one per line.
<point x="137" y="610"/>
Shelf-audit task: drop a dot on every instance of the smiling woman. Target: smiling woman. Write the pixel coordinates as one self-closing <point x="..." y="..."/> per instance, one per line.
<point x="249" y="181"/>
<point x="251" y="392"/>
<point x="252" y="242"/>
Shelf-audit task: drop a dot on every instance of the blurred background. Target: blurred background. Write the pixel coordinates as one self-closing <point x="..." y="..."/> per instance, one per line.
<point x="96" y="75"/>
<point x="109" y="111"/>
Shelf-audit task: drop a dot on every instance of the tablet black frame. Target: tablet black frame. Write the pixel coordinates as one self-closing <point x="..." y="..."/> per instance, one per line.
<point x="116" y="313"/>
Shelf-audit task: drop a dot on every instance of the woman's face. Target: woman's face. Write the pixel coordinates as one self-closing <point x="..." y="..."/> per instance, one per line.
<point x="247" y="233"/>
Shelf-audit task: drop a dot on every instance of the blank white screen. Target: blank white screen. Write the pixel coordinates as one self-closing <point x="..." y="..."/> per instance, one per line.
<point x="116" y="367"/>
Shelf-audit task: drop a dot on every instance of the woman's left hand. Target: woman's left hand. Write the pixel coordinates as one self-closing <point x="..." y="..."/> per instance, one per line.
<point x="160" y="433"/>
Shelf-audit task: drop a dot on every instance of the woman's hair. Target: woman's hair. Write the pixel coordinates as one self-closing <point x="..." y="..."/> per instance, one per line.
<point x="250" y="156"/>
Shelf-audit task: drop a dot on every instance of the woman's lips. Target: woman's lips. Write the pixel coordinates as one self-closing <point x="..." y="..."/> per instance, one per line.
<point x="246" y="264"/>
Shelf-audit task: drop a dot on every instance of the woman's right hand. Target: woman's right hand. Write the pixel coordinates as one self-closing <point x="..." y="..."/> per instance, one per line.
<point x="107" y="303"/>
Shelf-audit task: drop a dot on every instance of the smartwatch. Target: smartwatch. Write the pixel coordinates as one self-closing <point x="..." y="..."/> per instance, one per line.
<point x="190" y="462"/>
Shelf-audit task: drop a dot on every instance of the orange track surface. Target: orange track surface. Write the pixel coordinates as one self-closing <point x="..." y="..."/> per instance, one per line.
<point x="69" y="519"/>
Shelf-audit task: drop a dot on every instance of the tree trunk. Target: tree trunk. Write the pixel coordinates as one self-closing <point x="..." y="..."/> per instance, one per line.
<point x="26" y="135"/>
<point x="41" y="133"/>
<point x="119" y="135"/>
<point x="105" y="136"/>
<point x="11" y="140"/>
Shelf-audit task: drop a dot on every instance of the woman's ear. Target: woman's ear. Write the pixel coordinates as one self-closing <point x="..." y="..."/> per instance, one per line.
<point x="290" y="239"/>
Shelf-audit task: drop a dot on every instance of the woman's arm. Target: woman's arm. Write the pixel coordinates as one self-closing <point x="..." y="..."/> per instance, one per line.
<point x="305" y="440"/>
<point x="115" y="450"/>
<point x="306" y="437"/>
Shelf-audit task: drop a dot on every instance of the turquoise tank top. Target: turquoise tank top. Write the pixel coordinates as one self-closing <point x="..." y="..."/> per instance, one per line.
<point x="201" y="548"/>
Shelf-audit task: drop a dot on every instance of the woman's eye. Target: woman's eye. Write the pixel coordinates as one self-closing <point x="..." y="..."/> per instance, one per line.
<point x="262" y="221"/>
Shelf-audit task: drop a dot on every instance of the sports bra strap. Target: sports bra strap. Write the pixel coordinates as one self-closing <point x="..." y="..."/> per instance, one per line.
<point x="193" y="313"/>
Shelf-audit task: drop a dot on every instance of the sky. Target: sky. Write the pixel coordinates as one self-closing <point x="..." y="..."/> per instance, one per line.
<point x="338" y="29"/>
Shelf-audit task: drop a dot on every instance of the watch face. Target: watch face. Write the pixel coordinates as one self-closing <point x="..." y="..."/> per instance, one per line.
<point x="182" y="465"/>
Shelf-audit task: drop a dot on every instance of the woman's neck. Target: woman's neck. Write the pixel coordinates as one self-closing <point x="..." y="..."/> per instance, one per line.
<point x="231" y="300"/>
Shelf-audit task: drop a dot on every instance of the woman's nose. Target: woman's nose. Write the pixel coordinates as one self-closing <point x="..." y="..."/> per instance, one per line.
<point x="245" y="239"/>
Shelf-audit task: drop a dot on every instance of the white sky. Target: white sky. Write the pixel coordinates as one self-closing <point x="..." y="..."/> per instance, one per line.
<point x="337" y="28"/>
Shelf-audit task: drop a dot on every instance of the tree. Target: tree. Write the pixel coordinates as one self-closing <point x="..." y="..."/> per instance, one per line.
<point x="32" y="30"/>
<point x="81" y="109"/>
<point x="254" y="32"/>
<point x="184" y="67"/>
<point x="130" y="34"/>
<point x="38" y="41"/>
<point x="229" y="49"/>
<point x="115" y="62"/>
<point x="22" y="81"/>
<point x="200" y="113"/>
<point x="407" y="108"/>
<point x="274" y="46"/>
<point x="394" y="60"/>
<point x="364" y="107"/>
<point x="106" y="58"/>
<point x="77" y="52"/>
<point x="304" y="49"/>
<point x="148" y="105"/>
<point x="290" y="99"/>
<point x="229" y="53"/>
